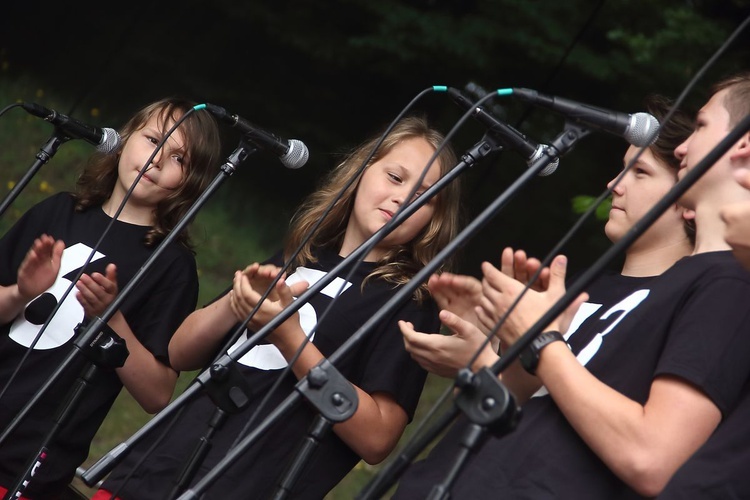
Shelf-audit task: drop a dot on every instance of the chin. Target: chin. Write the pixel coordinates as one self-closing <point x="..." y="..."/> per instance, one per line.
<point x="612" y="233"/>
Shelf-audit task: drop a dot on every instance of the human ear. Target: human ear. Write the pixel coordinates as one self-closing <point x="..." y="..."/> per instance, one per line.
<point x="687" y="214"/>
<point x="741" y="150"/>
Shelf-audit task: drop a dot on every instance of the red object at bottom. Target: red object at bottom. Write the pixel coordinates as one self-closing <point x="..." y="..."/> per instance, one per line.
<point x="4" y="491"/>
<point x="103" y="495"/>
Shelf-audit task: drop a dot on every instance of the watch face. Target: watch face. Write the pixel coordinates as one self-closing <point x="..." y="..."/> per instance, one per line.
<point x="529" y="357"/>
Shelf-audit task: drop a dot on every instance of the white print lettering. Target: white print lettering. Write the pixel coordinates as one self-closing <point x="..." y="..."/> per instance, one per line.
<point x="26" y="326"/>
<point x="624" y="307"/>
<point x="267" y="356"/>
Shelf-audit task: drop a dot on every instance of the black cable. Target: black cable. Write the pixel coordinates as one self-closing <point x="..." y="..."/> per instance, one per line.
<point x="555" y="70"/>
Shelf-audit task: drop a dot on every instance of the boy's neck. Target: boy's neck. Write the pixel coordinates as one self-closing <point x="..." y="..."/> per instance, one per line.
<point x="709" y="227"/>
<point x="709" y="230"/>
<point x="653" y="261"/>
<point x="132" y="214"/>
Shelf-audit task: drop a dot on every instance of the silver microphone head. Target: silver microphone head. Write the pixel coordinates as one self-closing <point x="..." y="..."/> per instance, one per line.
<point x="643" y="130"/>
<point x="551" y="166"/>
<point x="110" y="141"/>
<point x="296" y="156"/>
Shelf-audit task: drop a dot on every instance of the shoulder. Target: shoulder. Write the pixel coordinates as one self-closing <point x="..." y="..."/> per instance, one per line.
<point x="179" y="256"/>
<point x="60" y="201"/>
<point x="703" y="270"/>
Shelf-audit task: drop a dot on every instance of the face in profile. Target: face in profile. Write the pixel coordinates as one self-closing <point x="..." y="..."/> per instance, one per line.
<point x="641" y="187"/>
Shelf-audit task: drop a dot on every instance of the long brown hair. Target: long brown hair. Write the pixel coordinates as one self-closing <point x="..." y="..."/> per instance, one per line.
<point x="202" y="143"/>
<point x="401" y="262"/>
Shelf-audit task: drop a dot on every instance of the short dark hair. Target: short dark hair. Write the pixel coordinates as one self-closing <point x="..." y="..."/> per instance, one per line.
<point x="737" y="100"/>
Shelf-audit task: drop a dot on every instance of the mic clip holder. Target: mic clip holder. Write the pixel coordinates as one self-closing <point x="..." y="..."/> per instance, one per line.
<point x="487" y="402"/>
<point x="571" y="134"/>
<point x="487" y="146"/>
<point x="238" y="156"/>
<point x="332" y="395"/>
<point x="106" y="349"/>
<point x="228" y="388"/>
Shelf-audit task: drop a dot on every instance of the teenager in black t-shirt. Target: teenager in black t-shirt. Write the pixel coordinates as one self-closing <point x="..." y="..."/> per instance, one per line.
<point x="48" y="246"/>
<point x="719" y="468"/>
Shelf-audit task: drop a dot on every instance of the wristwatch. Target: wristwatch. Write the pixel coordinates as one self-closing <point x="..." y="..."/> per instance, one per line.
<point x="529" y="357"/>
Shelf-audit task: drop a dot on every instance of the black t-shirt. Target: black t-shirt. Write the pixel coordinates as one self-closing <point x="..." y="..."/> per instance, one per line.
<point x="690" y="322"/>
<point x="378" y="364"/>
<point x="719" y="469"/>
<point x="153" y="310"/>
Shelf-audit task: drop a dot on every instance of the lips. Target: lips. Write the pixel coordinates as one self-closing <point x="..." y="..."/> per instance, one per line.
<point x="386" y="213"/>
<point x="145" y="176"/>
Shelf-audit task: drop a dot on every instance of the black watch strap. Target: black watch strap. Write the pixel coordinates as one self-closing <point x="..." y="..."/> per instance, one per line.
<point x="529" y="357"/>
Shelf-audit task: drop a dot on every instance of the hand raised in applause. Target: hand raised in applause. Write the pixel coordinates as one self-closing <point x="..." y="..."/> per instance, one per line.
<point x="39" y="268"/>
<point x="500" y="292"/>
<point x="458" y="296"/>
<point x="248" y="288"/>
<point x="97" y="291"/>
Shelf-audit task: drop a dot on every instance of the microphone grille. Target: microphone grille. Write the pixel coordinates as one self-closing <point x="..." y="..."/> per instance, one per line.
<point x="110" y="141"/>
<point x="296" y="156"/>
<point x="643" y="130"/>
<point x="551" y="166"/>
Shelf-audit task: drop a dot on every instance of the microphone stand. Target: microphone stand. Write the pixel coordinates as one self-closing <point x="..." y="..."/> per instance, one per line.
<point x="107" y="352"/>
<point x="105" y="464"/>
<point x="380" y="484"/>
<point x="230" y="392"/>
<point x="92" y="332"/>
<point x="568" y="137"/>
<point x="47" y="151"/>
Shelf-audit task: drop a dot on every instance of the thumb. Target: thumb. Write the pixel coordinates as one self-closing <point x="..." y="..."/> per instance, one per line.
<point x="57" y="251"/>
<point x="298" y="288"/>
<point x="454" y="322"/>
<point x="111" y="273"/>
<point x="558" y="270"/>
<point x="406" y="327"/>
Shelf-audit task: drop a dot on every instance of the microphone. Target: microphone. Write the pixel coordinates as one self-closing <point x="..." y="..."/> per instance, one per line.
<point x="507" y="135"/>
<point x="292" y="153"/>
<point x="106" y="140"/>
<point x="639" y="129"/>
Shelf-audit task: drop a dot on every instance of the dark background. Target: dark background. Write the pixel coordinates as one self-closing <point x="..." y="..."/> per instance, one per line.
<point x="331" y="73"/>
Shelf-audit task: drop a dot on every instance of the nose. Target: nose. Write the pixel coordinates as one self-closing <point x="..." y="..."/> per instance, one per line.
<point x="618" y="189"/>
<point x="399" y="195"/>
<point x="156" y="160"/>
<point x="681" y="151"/>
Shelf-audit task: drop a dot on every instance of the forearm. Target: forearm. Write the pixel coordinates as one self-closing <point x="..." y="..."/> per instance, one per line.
<point x="11" y="303"/>
<point x="200" y="335"/>
<point x="642" y="444"/>
<point x="149" y="381"/>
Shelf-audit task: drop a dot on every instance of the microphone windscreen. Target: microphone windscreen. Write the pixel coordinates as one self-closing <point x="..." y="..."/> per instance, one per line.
<point x="296" y="156"/>
<point x="643" y="130"/>
<point x="110" y="141"/>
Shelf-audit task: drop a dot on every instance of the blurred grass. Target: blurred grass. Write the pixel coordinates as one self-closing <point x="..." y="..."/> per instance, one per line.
<point x="225" y="238"/>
